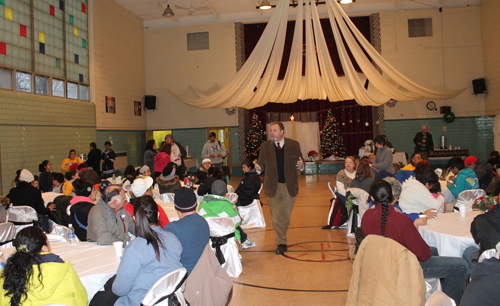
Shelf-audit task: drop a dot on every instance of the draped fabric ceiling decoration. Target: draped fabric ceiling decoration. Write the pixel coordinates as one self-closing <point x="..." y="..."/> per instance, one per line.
<point x="257" y="82"/>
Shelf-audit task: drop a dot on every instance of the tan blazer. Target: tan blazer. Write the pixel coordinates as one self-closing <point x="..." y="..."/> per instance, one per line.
<point x="267" y="161"/>
<point x="385" y="273"/>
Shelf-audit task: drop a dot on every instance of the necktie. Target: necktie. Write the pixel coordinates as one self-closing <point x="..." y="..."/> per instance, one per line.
<point x="279" y="146"/>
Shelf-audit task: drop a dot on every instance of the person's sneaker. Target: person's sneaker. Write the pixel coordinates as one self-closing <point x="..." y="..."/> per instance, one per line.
<point x="248" y="244"/>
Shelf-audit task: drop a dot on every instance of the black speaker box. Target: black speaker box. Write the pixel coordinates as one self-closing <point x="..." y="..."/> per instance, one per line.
<point x="150" y="102"/>
<point x="479" y="86"/>
<point x="444" y="109"/>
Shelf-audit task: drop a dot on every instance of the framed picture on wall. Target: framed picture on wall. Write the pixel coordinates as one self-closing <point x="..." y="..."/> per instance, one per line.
<point x="110" y="105"/>
<point x="137" y="108"/>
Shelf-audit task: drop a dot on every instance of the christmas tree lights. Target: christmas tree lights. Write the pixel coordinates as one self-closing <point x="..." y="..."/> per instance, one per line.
<point x="331" y="138"/>
<point x="256" y="136"/>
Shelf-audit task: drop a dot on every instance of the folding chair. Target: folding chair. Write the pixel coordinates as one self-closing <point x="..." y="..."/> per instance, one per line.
<point x="167" y="197"/>
<point x="252" y="215"/>
<point x="167" y="290"/>
<point x="22" y="216"/>
<point x="440" y="298"/>
<point x="467" y="197"/>
<point x="232" y="197"/>
<point x="360" y="205"/>
<point x="7" y="234"/>
<point x="224" y="244"/>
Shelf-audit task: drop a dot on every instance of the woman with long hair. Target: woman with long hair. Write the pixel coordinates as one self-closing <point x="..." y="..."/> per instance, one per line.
<point x="416" y="195"/>
<point x="162" y="159"/>
<point x="149" y="154"/>
<point x="364" y="177"/>
<point x="71" y="163"/>
<point x="34" y="276"/>
<point x="384" y="220"/>
<point x="46" y="178"/>
<point x="149" y="257"/>
<point x="129" y="174"/>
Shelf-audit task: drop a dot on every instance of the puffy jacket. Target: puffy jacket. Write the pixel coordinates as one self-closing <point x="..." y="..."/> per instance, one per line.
<point x="61" y="285"/>
<point x="486" y="229"/>
<point x="161" y="161"/>
<point x="466" y="179"/>
<point x="105" y="225"/>
<point x="248" y="189"/>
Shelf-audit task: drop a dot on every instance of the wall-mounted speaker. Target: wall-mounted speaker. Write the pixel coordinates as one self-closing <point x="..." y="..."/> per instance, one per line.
<point x="444" y="109"/>
<point x="479" y="86"/>
<point x="150" y="102"/>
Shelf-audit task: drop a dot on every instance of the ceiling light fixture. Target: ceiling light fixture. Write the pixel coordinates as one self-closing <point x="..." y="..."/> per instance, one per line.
<point x="265" y="5"/>
<point x="345" y="1"/>
<point x="168" y="12"/>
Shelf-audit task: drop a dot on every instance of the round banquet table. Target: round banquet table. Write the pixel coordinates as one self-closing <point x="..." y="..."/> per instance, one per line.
<point x="449" y="233"/>
<point x="93" y="263"/>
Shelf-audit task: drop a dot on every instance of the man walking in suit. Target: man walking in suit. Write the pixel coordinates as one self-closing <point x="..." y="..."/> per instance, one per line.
<point x="279" y="159"/>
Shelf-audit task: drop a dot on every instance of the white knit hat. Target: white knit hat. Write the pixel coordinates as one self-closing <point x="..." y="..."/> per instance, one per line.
<point x="206" y="160"/>
<point x="26" y="176"/>
<point x="141" y="185"/>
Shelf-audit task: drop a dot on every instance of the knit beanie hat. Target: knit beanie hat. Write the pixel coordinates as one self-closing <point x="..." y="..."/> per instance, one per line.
<point x="168" y="172"/>
<point x="185" y="200"/>
<point x="219" y="188"/>
<point x="143" y="169"/>
<point x="26" y="176"/>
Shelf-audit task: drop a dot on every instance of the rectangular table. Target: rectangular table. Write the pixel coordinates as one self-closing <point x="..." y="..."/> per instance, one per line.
<point x="449" y="233"/>
<point x="93" y="263"/>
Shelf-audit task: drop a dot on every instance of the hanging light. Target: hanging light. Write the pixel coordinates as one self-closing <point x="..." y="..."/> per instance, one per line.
<point x="292" y="118"/>
<point x="265" y="5"/>
<point x="168" y="12"/>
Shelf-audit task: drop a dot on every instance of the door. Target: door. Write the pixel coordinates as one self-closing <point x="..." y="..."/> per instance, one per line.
<point x="223" y="134"/>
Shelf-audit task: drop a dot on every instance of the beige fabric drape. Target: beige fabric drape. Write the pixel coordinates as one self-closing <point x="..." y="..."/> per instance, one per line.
<point x="256" y="83"/>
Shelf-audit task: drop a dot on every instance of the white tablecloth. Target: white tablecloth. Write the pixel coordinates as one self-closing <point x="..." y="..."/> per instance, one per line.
<point x="93" y="263"/>
<point x="50" y="196"/>
<point x="156" y="192"/>
<point x="400" y="157"/>
<point x="449" y="233"/>
<point x="169" y="209"/>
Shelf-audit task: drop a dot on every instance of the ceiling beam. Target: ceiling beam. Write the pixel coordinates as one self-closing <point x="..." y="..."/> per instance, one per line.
<point x="208" y="3"/>
<point x="397" y="3"/>
<point x="174" y="18"/>
<point x="258" y="4"/>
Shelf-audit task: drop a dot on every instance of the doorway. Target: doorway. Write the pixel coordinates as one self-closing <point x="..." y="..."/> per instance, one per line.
<point x="223" y="134"/>
<point x="158" y="136"/>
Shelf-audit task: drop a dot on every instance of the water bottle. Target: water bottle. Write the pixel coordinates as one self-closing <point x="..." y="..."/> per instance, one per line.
<point x="71" y="236"/>
<point x="2" y="261"/>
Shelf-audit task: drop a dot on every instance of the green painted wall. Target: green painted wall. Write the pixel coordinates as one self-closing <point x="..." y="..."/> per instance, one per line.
<point x="133" y="142"/>
<point x="472" y="133"/>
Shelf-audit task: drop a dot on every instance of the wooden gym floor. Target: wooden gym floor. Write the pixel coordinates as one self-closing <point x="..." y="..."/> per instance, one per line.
<point x="315" y="270"/>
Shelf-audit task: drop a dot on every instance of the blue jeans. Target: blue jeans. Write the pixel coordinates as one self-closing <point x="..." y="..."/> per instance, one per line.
<point x="454" y="270"/>
<point x="466" y="256"/>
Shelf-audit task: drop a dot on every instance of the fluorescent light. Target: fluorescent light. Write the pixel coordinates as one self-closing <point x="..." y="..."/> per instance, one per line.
<point x="345" y="1"/>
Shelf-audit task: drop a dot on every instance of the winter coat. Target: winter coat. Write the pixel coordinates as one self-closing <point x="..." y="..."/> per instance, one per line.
<point x="415" y="197"/>
<point x="26" y="195"/>
<point x="60" y="285"/>
<point x="465" y="180"/>
<point x="248" y="189"/>
<point x="484" y="288"/>
<point x="106" y="227"/>
<point x="485" y="229"/>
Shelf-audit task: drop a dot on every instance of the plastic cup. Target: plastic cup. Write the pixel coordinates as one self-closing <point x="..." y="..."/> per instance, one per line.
<point x="118" y="248"/>
<point x="463" y="211"/>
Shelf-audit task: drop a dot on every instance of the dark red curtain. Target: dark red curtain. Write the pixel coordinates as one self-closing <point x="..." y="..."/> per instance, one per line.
<point x="355" y="121"/>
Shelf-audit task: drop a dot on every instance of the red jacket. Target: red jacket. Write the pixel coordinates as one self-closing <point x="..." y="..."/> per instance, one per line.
<point x="163" y="216"/>
<point x="161" y="161"/>
<point x="398" y="227"/>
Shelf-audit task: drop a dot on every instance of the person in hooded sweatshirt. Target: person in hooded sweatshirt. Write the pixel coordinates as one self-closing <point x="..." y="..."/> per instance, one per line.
<point x="466" y="179"/>
<point x="81" y="204"/>
<point x="35" y="276"/>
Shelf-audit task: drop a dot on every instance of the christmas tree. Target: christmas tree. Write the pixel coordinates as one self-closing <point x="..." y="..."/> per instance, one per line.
<point x="331" y="138"/>
<point x="256" y="136"/>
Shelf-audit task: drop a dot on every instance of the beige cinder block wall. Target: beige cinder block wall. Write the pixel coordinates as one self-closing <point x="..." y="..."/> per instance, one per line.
<point x="450" y="59"/>
<point x="491" y="53"/>
<point x="118" y="65"/>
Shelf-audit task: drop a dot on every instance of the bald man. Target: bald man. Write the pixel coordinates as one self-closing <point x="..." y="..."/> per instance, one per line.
<point x="423" y="143"/>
